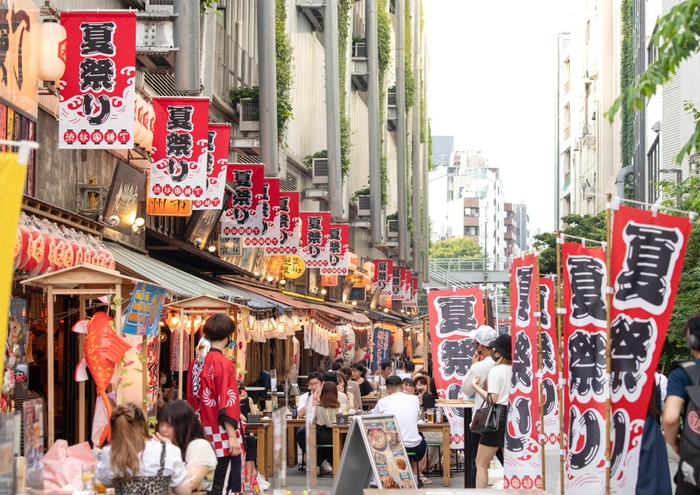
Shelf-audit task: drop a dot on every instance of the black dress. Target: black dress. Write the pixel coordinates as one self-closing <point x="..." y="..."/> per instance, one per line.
<point x="366" y="388"/>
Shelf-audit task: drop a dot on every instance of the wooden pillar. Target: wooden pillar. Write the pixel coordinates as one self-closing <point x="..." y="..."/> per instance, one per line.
<point x="181" y="354"/>
<point x="118" y="327"/>
<point x="81" y="385"/>
<point x="51" y="399"/>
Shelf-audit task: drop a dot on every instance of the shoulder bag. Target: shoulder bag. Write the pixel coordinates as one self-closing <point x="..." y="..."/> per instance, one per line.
<point x="486" y="418"/>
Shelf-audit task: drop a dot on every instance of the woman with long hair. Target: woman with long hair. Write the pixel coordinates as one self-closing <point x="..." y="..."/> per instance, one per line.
<point x="352" y="388"/>
<point x="359" y="373"/>
<point x="178" y="425"/>
<point x="343" y="388"/>
<point x="498" y="381"/>
<point x="327" y="407"/>
<point x="134" y="463"/>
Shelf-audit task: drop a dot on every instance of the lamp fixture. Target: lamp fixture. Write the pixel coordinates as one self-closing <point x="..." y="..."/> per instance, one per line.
<point x="283" y="281"/>
<point x="323" y="292"/>
<point x="386" y="310"/>
<point x="270" y="278"/>
<point x="198" y="242"/>
<point x="140" y="222"/>
<point x="354" y="303"/>
<point x="113" y="220"/>
<point x="138" y="229"/>
<point x="211" y="249"/>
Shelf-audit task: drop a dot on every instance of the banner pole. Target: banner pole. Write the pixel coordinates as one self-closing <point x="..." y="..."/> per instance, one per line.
<point x="608" y="407"/>
<point x="560" y="370"/>
<point x="539" y="363"/>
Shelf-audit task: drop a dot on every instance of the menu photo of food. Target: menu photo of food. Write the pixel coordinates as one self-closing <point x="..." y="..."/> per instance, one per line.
<point x="388" y="453"/>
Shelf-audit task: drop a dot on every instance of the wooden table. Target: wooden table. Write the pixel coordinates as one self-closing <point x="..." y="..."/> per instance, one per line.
<point x="261" y="430"/>
<point x="368" y="402"/>
<point x="293" y="426"/>
<point x="339" y="430"/>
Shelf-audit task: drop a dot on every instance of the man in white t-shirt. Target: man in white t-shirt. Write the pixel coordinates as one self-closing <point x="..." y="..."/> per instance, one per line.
<point x="406" y="410"/>
<point x="483" y="337"/>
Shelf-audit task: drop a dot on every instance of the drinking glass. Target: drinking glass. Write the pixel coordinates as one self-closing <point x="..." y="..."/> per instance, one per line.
<point x="88" y="477"/>
<point x="430" y="415"/>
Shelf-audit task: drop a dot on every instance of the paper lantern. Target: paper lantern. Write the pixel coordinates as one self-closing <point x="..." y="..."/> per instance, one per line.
<point x="293" y="267"/>
<point x="396" y="341"/>
<point x="51" y="66"/>
<point x="150" y="117"/>
<point x="344" y="346"/>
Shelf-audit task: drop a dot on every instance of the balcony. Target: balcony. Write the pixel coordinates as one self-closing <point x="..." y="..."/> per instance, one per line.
<point x="391" y="113"/>
<point x="359" y="69"/>
<point x="314" y="11"/>
<point x="509" y="221"/>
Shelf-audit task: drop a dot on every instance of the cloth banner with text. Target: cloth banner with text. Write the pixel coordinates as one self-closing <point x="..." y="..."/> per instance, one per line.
<point x="550" y="377"/>
<point x="289" y="226"/>
<point x="218" y="140"/>
<point x="647" y="259"/>
<point x="453" y="315"/>
<point x="96" y="103"/>
<point x="383" y="276"/>
<point x="337" y="250"/>
<point x="523" y="451"/>
<point x="412" y="301"/>
<point x="180" y="143"/>
<point x="143" y="314"/>
<point x="269" y="234"/>
<point x="397" y="282"/>
<point x="315" y="231"/>
<point x="381" y="347"/>
<point x="406" y="288"/>
<point x="584" y="278"/>
<point x="243" y="215"/>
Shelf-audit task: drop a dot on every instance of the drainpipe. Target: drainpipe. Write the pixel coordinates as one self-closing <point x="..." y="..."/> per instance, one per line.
<point x="401" y="129"/>
<point x="375" y="174"/>
<point x="208" y="45"/>
<point x="186" y="39"/>
<point x="335" y="175"/>
<point x="415" y="157"/>
<point x="267" y="93"/>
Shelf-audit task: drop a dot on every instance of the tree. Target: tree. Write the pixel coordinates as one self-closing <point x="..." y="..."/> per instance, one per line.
<point x="456" y="248"/>
<point x="587" y="226"/>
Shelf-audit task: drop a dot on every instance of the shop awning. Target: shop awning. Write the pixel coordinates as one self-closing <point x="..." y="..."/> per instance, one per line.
<point x="275" y="296"/>
<point x="185" y="284"/>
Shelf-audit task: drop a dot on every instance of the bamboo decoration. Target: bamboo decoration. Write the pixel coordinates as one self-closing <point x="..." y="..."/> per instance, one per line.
<point x="560" y="367"/>
<point x="539" y="363"/>
<point x="608" y="406"/>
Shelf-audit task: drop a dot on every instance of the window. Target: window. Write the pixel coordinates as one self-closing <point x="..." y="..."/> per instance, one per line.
<point x="653" y="172"/>
<point x="471" y="230"/>
<point x="652" y="51"/>
<point x="471" y="212"/>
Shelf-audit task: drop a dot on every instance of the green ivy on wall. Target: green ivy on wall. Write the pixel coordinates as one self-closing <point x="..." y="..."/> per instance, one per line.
<point x="285" y="80"/>
<point x="345" y="129"/>
<point x="422" y="108"/>
<point x="431" y="165"/>
<point x="408" y="50"/>
<point x="384" y="48"/>
<point x="627" y="79"/>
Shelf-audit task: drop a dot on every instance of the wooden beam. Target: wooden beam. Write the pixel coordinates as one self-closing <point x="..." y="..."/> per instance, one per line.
<point x="81" y="385"/>
<point x="51" y="398"/>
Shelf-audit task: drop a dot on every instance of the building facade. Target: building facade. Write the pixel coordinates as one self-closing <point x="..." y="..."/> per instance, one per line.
<point x="443" y="146"/>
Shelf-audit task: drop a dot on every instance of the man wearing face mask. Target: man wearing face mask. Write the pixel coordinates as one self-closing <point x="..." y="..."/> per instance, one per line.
<point x="483" y="337"/>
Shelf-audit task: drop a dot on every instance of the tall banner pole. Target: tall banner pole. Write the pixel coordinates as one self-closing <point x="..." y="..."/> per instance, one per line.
<point x="539" y="372"/>
<point x="560" y="371"/>
<point x="608" y="346"/>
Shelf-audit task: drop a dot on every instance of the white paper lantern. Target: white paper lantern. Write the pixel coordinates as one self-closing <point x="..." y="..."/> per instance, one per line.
<point x="51" y="67"/>
<point x="345" y="344"/>
<point x="397" y="341"/>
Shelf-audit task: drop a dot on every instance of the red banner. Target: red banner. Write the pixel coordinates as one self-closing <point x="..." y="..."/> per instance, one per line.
<point x="550" y="377"/>
<point x="523" y="452"/>
<point x="397" y="282"/>
<point x="269" y="205"/>
<point x="453" y="314"/>
<point x="406" y="287"/>
<point x="179" y="156"/>
<point x="383" y="276"/>
<point x="585" y="323"/>
<point x="338" y="250"/>
<point x="97" y="87"/>
<point x="289" y="224"/>
<point x="243" y="215"/>
<point x="218" y="143"/>
<point x="315" y="231"/>
<point x="647" y="260"/>
<point x="413" y="291"/>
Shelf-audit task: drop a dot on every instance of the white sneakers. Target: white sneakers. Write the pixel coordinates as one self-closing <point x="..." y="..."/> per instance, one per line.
<point x="263" y="483"/>
<point x="326" y="467"/>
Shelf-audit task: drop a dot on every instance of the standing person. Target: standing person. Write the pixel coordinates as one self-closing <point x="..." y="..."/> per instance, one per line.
<point x="406" y="409"/>
<point x="359" y="373"/>
<point x="483" y="338"/>
<point x="327" y="408"/>
<point x="315" y="381"/>
<point x="498" y="387"/>
<point x="134" y="463"/>
<point x="213" y="395"/>
<point x="681" y="378"/>
<point x="352" y="388"/>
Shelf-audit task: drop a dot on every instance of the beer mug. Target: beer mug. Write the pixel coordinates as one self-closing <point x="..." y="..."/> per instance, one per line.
<point x="430" y="415"/>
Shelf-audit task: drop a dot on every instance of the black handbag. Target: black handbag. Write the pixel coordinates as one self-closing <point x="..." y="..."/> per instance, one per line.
<point x="486" y="418"/>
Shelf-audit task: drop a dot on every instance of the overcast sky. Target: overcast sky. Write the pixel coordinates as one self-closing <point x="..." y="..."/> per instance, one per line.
<point x="493" y="85"/>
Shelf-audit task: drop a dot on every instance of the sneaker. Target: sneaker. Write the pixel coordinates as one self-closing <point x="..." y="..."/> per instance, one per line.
<point x="263" y="483"/>
<point x="425" y="480"/>
<point x="326" y="467"/>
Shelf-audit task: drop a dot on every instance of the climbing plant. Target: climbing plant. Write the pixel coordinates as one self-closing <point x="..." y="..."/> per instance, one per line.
<point x="345" y="129"/>
<point x="384" y="48"/>
<point x="626" y="79"/>
<point x="408" y="50"/>
<point x="285" y="56"/>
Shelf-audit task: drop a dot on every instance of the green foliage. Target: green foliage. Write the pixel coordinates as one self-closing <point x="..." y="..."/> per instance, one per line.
<point x="588" y="226"/>
<point x="285" y="56"/>
<point x="384" y="48"/>
<point x="309" y="159"/>
<point x="360" y="192"/>
<point x="207" y="4"/>
<point x="345" y="128"/>
<point x="626" y="79"/>
<point x="462" y="247"/>
<point x="408" y="66"/>
<point x="431" y="165"/>
<point x="677" y="37"/>
<point x="423" y="117"/>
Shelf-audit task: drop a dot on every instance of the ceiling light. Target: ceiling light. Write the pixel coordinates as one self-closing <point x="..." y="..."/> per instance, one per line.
<point x="283" y="281"/>
<point x="323" y="292"/>
<point x="113" y="221"/>
<point x="212" y="249"/>
<point x="139" y="222"/>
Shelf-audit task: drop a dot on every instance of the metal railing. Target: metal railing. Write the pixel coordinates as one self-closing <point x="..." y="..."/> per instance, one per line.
<point x="234" y="67"/>
<point x="443" y="276"/>
<point x="470" y="264"/>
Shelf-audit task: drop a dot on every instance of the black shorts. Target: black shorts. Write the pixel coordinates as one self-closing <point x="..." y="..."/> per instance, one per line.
<point x="418" y="451"/>
<point x="497" y="438"/>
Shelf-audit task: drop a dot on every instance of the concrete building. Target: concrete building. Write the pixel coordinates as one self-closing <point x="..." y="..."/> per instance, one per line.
<point x="443" y="147"/>
<point x="522" y="229"/>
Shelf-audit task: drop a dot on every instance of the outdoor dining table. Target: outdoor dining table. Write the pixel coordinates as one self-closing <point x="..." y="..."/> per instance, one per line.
<point x="264" y="436"/>
<point x="467" y="406"/>
<point x="438" y="491"/>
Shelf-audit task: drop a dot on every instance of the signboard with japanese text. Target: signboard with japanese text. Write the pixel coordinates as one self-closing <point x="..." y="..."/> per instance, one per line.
<point x="397" y="283"/>
<point x="584" y="279"/>
<point x="406" y="287"/>
<point x="381" y="347"/>
<point x="229" y="246"/>
<point x="315" y="231"/>
<point x="293" y="267"/>
<point x="96" y="101"/>
<point x="269" y="234"/>
<point x="647" y="259"/>
<point x="413" y="290"/>
<point x="168" y="207"/>
<point x="453" y="315"/>
<point x="523" y="451"/>
<point x="243" y="215"/>
<point x="550" y="377"/>
<point x="383" y="276"/>
<point x="337" y="250"/>
<point x="218" y="140"/>
<point x="20" y="53"/>
<point x="143" y="314"/>
<point x="180" y="143"/>
<point x="125" y="195"/>
<point x="290" y="226"/>
<point x="329" y="280"/>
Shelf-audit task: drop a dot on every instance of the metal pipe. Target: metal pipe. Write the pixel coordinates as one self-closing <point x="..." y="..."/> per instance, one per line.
<point x="375" y="173"/>
<point x="426" y="170"/>
<point x="335" y="175"/>
<point x="415" y="157"/>
<point x="401" y="129"/>
<point x="267" y="75"/>
<point x="208" y="50"/>
<point x="186" y="38"/>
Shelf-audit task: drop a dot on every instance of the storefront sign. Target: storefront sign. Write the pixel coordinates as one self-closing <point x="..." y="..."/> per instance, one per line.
<point x="229" y="246"/>
<point x="143" y="313"/>
<point x="125" y="194"/>
<point x="293" y="267"/>
<point x="338" y="250"/>
<point x="218" y="142"/>
<point x="316" y="227"/>
<point x="269" y="234"/>
<point x="329" y="280"/>
<point x="97" y="88"/>
<point x="169" y="207"/>
<point x="397" y="283"/>
<point x="290" y="225"/>
<point x="381" y="347"/>
<point x="244" y="215"/>
<point x="383" y="277"/>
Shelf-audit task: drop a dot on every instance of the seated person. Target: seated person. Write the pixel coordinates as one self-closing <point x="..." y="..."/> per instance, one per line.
<point x="331" y="376"/>
<point x="408" y="386"/>
<point x="315" y="383"/>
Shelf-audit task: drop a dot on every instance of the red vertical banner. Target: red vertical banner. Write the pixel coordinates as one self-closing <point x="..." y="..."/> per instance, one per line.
<point x="453" y="314"/>
<point x="406" y="288"/>
<point x="397" y="282"/>
<point x="269" y="206"/>
<point x="383" y="276"/>
<point x="413" y="289"/>
<point x="647" y="260"/>
<point x="548" y="319"/>
<point x="97" y="88"/>
<point x="289" y="225"/>
<point x="338" y="250"/>
<point x="523" y="451"/>
<point x="218" y="142"/>
<point x="584" y="278"/>
<point x="179" y="156"/>
<point x="315" y="231"/>
<point x="243" y="214"/>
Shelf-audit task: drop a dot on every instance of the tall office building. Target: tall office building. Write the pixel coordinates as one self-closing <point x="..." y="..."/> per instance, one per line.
<point x="443" y="147"/>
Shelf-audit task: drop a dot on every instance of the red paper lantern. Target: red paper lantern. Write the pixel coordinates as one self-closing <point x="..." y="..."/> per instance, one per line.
<point x="36" y="250"/>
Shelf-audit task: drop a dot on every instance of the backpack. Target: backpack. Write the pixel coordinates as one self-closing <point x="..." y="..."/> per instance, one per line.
<point x="690" y="436"/>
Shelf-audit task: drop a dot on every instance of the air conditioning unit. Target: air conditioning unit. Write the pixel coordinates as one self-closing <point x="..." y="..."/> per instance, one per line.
<point x="249" y="113"/>
<point x="656" y="126"/>
<point x="319" y="170"/>
<point x="363" y="206"/>
<point x="392" y="229"/>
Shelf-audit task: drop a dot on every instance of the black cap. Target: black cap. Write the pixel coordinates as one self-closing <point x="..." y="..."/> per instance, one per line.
<point x="502" y="345"/>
